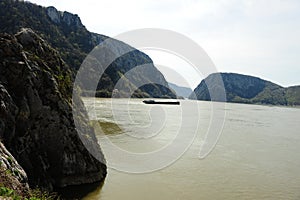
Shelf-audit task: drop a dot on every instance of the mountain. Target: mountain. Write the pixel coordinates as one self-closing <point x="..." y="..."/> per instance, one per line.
<point x="180" y="90"/>
<point x="65" y="33"/>
<point x="293" y="95"/>
<point x="246" y="89"/>
<point x="36" y="121"/>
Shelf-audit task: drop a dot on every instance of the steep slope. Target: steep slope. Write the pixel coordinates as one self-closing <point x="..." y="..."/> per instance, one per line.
<point x="293" y="95"/>
<point x="181" y="91"/>
<point x="247" y="89"/>
<point x="36" y="122"/>
<point x="65" y="32"/>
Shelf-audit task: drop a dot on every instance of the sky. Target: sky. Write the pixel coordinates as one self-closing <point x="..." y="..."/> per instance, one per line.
<point x="253" y="37"/>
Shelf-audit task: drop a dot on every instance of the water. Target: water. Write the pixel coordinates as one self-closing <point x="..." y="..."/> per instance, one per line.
<point x="256" y="157"/>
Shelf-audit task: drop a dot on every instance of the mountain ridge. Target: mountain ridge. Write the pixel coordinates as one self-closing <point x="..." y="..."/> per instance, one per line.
<point x="181" y="91"/>
<point x="241" y="88"/>
<point x="66" y="33"/>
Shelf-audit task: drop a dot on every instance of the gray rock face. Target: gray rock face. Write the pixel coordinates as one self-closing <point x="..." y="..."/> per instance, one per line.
<point x="36" y="122"/>
<point x="66" y="17"/>
<point x="8" y="112"/>
<point x="71" y="19"/>
<point x="54" y="14"/>
<point x="11" y="173"/>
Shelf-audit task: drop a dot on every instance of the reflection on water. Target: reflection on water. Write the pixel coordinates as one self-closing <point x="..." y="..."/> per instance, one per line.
<point x="257" y="156"/>
<point x="79" y="191"/>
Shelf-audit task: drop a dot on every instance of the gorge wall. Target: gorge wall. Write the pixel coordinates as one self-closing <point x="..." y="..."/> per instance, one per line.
<point x="65" y="32"/>
<point x="36" y="122"/>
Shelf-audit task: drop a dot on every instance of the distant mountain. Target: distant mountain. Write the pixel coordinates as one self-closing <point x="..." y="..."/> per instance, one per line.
<point x="180" y="90"/>
<point x="293" y="95"/>
<point x="246" y="89"/>
<point x="65" y="32"/>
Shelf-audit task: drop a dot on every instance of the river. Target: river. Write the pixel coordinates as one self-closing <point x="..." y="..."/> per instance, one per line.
<point x="256" y="157"/>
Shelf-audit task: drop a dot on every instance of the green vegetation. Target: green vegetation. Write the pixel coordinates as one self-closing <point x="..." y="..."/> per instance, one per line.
<point x="293" y="96"/>
<point x="33" y="195"/>
<point x="107" y="128"/>
<point x="272" y="94"/>
<point x="64" y="83"/>
<point x="6" y="192"/>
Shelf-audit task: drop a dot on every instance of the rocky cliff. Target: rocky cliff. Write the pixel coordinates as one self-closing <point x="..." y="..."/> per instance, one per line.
<point x="247" y="89"/>
<point x="65" y="32"/>
<point x="36" y="122"/>
<point x="64" y="17"/>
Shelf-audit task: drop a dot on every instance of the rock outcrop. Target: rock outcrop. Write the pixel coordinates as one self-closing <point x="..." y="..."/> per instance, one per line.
<point x="36" y="122"/>
<point x="64" y="17"/>
<point x="12" y="175"/>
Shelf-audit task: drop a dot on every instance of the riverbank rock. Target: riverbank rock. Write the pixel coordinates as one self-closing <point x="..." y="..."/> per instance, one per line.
<point x="12" y="175"/>
<point x="36" y="122"/>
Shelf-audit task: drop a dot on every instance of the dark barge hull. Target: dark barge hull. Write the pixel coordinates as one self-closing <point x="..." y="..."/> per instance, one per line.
<point x="161" y="102"/>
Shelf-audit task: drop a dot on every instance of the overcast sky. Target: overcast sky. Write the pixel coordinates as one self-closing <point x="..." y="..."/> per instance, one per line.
<point x="254" y="37"/>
